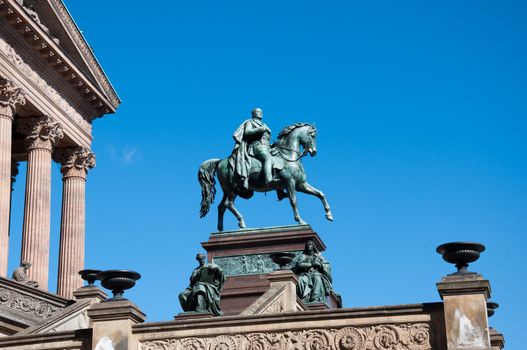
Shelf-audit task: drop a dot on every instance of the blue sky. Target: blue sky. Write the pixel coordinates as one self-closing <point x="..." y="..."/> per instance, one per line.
<point x="421" y="113"/>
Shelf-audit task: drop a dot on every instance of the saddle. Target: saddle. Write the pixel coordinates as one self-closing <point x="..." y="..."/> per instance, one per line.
<point x="278" y="163"/>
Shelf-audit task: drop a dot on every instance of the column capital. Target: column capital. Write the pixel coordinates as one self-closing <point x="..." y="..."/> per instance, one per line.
<point x="75" y="161"/>
<point x="11" y="97"/>
<point x="41" y="132"/>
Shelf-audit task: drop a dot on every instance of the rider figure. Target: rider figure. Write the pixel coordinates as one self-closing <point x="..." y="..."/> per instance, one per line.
<point x="252" y="140"/>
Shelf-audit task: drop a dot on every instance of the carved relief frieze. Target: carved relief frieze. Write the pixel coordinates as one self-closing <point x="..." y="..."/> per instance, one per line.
<point x="9" y="53"/>
<point x="27" y="304"/>
<point x="11" y="96"/>
<point x="411" y="336"/>
<point x="75" y="161"/>
<point x="248" y="264"/>
<point x="41" y="132"/>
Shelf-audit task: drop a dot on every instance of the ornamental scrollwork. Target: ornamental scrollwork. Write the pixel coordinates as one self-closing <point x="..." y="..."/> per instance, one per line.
<point x="27" y="304"/>
<point x="11" y="96"/>
<point x="411" y="336"/>
<point x="41" y="132"/>
<point x="75" y="161"/>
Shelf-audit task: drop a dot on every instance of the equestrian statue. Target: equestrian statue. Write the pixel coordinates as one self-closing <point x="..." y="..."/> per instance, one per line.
<point x="256" y="165"/>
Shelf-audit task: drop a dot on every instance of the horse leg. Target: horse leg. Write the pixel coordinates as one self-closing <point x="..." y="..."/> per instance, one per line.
<point x="292" y="199"/>
<point x="232" y="208"/>
<point x="308" y="189"/>
<point x="221" y="210"/>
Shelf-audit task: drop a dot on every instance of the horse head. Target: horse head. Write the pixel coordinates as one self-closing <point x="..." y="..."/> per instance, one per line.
<point x="309" y="140"/>
<point x="305" y="135"/>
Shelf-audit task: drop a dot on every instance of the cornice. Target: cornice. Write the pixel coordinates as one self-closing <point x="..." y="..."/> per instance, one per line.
<point x="52" y="53"/>
<point x="85" y="50"/>
<point x="35" y="78"/>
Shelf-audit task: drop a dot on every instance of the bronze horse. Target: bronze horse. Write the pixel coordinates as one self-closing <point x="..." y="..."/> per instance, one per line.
<point x="289" y="175"/>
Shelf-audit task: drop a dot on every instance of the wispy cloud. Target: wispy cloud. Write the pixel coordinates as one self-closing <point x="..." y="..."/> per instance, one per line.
<point x="128" y="155"/>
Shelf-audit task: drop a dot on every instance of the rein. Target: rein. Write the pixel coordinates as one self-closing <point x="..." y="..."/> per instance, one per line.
<point x="300" y="154"/>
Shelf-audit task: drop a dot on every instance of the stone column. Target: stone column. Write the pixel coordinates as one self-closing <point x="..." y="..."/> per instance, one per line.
<point x="75" y="164"/>
<point x="42" y="133"/>
<point x="465" y="308"/>
<point x="10" y="98"/>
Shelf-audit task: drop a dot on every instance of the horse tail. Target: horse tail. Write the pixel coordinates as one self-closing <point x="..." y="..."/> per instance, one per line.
<point x="206" y="173"/>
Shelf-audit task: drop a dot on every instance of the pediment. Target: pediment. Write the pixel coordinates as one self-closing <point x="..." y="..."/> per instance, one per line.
<point x="54" y="18"/>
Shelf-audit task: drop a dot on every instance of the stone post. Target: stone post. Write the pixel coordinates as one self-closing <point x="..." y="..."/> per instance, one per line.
<point x="112" y="323"/>
<point x="288" y="280"/>
<point x="42" y="133"/>
<point x="75" y="164"/>
<point x="465" y="308"/>
<point x="10" y="98"/>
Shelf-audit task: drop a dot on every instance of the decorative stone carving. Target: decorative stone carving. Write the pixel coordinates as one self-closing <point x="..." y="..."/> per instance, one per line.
<point x="255" y="341"/>
<point x="20" y="274"/>
<point x="248" y="264"/>
<point x="191" y="344"/>
<point x="8" y="52"/>
<point x="223" y="342"/>
<point x="42" y="132"/>
<point x="349" y="338"/>
<point x="27" y="304"/>
<point x="75" y="161"/>
<point x="11" y="96"/>
<point x="408" y="336"/>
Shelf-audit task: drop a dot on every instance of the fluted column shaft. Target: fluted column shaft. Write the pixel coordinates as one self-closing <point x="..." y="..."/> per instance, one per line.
<point x="5" y="189"/>
<point x="10" y="97"/>
<point x="42" y="133"/>
<point x="75" y="164"/>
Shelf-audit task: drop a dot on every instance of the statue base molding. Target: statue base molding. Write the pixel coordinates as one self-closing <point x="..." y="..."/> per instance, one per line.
<point x="244" y="257"/>
<point x="192" y="315"/>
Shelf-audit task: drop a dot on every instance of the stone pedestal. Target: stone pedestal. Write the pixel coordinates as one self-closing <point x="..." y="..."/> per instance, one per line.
<point x="465" y="309"/>
<point x="92" y="293"/>
<point x="244" y="257"/>
<point x="112" y="324"/>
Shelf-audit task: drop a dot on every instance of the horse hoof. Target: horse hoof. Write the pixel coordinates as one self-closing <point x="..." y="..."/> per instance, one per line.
<point x="329" y="216"/>
<point x="302" y="222"/>
<point x="220" y="228"/>
<point x="241" y="224"/>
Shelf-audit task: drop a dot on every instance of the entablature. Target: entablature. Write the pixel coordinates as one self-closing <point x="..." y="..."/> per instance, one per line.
<point x="102" y="100"/>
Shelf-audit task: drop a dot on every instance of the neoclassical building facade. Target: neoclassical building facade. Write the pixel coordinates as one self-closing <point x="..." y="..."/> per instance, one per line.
<point x="51" y="89"/>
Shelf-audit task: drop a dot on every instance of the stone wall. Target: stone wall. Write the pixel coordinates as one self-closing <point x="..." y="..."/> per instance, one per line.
<point x="412" y="327"/>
